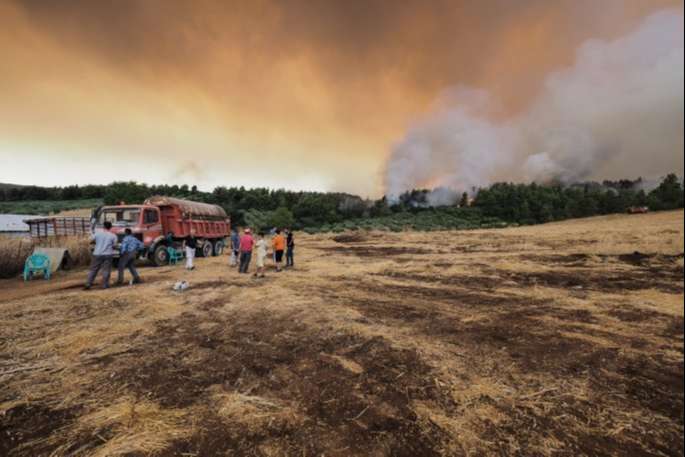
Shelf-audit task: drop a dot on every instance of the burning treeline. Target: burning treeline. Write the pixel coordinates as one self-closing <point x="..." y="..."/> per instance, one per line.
<point x="616" y="112"/>
<point x="496" y="205"/>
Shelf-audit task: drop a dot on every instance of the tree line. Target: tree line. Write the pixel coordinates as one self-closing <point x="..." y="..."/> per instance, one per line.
<point x="499" y="203"/>
<point x="533" y="203"/>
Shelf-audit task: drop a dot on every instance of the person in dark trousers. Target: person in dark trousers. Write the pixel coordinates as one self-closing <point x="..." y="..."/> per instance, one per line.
<point x="128" y="251"/>
<point x="235" y="247"/>
<point x="278" y="243"/>
<point x="246" y="245"/>
<point x="289" y="249"/>
<point x="103" y="253"/>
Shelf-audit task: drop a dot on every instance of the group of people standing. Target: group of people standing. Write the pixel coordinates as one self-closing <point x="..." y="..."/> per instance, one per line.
<point x="104" y="252"/>
<point x="282" y="244"/>
<point x="242" y="246"/>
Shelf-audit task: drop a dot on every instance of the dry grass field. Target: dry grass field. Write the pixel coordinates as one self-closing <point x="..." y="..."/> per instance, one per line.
<point x="556" y="340"/>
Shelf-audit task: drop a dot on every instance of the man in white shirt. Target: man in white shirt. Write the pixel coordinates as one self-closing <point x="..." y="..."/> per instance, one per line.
<point x="105" y="243"/>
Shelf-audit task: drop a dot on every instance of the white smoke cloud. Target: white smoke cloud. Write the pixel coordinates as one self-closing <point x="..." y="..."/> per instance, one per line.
<point x="616" y="113"/>
<point x="442" y="196"/>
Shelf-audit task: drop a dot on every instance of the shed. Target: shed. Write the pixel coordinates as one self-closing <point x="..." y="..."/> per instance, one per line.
<point x="14" y="225"/>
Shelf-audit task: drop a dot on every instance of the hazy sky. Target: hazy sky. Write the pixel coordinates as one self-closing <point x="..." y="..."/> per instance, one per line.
<point x="296" y="94"/>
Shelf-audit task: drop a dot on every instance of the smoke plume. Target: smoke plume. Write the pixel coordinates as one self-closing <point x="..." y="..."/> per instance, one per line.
<point x="616" y="112"/>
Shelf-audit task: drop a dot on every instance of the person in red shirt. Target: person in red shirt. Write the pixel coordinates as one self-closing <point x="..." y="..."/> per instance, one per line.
<point x="246" y="245"/>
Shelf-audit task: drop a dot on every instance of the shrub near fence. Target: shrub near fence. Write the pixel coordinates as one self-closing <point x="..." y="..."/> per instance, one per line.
<point x="13" y="252"/>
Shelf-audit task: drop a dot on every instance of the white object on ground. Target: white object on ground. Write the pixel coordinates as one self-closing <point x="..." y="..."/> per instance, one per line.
<point x="180" y="286"/>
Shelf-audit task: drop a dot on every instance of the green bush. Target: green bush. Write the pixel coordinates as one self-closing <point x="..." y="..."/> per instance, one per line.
<point x="282" y="218"/>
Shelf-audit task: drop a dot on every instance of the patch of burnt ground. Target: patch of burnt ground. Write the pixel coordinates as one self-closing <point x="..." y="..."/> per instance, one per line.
<point x="636" y="258"/>
<point x="646" y="385"/>
<point x="576" y="423"/>
<point x="640" y="383"/>
<point x="558" y="259"/>
<point x="637" y="315"/>
<point x="351" y="238"/>
<point x="474" y="291"/>
<point x="365" y="412"/>
<point x="471" y="282"/>
<point x="666" y="279"/>
<point x="24" y="427"/>
<point x="384" y="252"/>
<point x="670" y="281"/>
<point x="223" y="283"/>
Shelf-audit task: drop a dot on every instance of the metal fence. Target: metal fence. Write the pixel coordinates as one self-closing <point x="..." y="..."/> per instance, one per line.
<point x="58" y="226"/>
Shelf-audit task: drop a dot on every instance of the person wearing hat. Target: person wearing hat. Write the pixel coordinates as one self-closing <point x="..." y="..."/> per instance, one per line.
<point x="246" y="245"/>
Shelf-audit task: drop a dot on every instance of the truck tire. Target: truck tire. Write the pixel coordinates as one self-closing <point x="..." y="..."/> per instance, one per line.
<point x="218" y="248"/>
<point x="206" y="249"/>
<point x="160" y="256"/>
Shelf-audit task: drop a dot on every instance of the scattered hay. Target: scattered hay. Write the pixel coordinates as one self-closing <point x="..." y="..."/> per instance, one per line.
<point x="129" y="426"/>
<point x="537" y="341"/>
<point x="253" y="412"/>
<point x="13" y="254"/>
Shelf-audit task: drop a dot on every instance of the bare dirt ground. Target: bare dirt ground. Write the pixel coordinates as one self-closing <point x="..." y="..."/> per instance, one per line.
<point x="557" y="340"/>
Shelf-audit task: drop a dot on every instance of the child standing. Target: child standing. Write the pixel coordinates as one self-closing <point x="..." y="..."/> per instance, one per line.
<point x="261" y="255"/>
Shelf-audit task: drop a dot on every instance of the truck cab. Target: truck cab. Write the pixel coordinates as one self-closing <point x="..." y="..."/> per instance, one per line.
<point x="144" y="221"/>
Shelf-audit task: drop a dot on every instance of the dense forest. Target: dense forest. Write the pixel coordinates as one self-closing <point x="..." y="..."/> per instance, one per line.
<point x="501" y="204"/>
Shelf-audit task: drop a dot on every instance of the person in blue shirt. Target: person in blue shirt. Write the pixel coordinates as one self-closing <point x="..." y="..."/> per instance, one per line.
<point x="128" y="251"/>
<point x="235" y="247"/>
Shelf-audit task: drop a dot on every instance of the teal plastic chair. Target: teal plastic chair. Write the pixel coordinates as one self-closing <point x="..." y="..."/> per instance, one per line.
<point x="37" y="263"/>
<point x="174" y="255"/>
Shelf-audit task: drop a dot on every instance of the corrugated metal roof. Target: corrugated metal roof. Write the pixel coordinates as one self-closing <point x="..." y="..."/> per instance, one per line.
<point x="14" y="222"/>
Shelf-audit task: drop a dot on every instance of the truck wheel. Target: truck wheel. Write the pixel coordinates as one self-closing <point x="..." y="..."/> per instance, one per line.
<point x="160" y="256"/>
<point x="218" y="247"/>
<point x="206" y="249"/>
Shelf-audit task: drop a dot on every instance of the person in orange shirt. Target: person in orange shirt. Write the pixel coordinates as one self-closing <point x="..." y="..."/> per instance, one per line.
<point x="278" y="244"/>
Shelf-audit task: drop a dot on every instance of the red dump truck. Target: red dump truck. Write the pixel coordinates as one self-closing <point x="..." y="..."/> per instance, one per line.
<point x="163" y="221"/>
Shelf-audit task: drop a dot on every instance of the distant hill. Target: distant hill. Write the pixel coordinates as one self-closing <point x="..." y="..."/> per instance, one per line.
<point x="46" y="207"/>
<point x="4" y="185"/>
